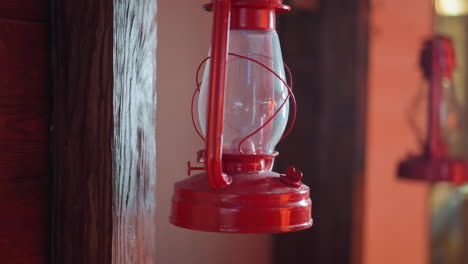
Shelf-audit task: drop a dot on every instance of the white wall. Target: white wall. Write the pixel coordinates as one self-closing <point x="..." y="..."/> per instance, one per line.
<point x="184" y="31"/>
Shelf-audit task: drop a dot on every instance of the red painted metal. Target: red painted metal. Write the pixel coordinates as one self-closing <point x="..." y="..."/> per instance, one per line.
<point x="434" y="164"/>
<point x="214" y="134"/>
<point x="254" y="14"/>
<point x="238" y="192"/>
<point x="253" y="18"/>
<point x="277" y="5"/>
<point x="234" y="163"/>
<point x="257" y="201"/>
<point x="292" y="177"/>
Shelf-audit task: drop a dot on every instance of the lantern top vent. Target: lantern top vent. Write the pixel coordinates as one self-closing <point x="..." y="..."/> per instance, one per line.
<point x="271" y="4"/>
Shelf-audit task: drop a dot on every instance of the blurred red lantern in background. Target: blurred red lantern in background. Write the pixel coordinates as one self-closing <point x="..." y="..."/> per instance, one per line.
<point x="444" y="156"/>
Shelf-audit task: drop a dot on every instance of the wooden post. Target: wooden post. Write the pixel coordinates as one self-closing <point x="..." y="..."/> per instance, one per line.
<point x="327" y="51"/>
<point x="103" y="56"/>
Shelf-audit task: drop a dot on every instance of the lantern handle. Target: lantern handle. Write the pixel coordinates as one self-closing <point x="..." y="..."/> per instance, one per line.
<point x="214" y="132"/>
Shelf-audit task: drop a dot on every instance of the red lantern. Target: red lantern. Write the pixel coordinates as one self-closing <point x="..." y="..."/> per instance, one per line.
<point x="243" y="109"/>
<point x="443" y="157"/>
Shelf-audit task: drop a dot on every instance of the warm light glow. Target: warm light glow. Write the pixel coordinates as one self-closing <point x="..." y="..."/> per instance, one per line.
<point x="451" y="7"/>
<point x="463" y="189"/>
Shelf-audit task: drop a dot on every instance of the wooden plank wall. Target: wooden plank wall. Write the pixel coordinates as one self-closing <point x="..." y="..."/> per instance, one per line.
<point x="24" y="131"/>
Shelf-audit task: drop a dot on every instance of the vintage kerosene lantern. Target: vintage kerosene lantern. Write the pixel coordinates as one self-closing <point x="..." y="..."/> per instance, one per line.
<point x="243" y="111"/>
<point x="444" y="156"/>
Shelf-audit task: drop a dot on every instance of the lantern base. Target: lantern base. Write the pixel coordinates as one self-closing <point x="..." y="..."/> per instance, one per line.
<point x="255" y="202"/>
<point x="435" y="170"/>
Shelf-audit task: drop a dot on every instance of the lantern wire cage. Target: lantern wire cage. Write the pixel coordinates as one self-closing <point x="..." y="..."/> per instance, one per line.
<point x="270" y="119"/>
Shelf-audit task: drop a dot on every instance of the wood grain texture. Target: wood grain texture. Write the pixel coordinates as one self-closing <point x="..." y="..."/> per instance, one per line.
<point x="134" y="144"/>
<point x="83" y="82"/>
<point x="22" y="64"/>
<point x="24" y="137"/>
<point x="104" y="142"/>
<point x="24" y="142"/>
<point x="327" y="52"/>
<point x="32" y="10"/>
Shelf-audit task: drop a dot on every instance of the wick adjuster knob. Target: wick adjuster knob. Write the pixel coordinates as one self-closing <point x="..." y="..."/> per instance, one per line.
<point x="201" y="157"/>
<point x="292" y="177"/>
<point x="190" y="168"/>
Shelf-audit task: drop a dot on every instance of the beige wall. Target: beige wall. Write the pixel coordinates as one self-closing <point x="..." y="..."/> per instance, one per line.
<point x="396" y="214"/>
<point x="183" y="40"/>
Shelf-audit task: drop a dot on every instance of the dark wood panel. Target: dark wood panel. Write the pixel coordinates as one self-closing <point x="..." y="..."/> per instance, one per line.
<point x="24" y="160"/>
<point x="36" y="10"/>
<point x="83" y="81"/>
<point x="24" y="141"/>
<point x="24" y="121"/>
<point x="327" y="51"/>
<point x="25" y="221"/>
<point x="23" y="59"/>
<point x="104" y="125"/>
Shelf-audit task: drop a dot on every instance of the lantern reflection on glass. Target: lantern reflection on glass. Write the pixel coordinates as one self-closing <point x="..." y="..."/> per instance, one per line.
<point x="253" y="94"/>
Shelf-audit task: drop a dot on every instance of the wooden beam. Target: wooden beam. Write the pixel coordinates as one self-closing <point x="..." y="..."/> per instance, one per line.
<point x="104" y="131"/>
<point x="327" y="52"/>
